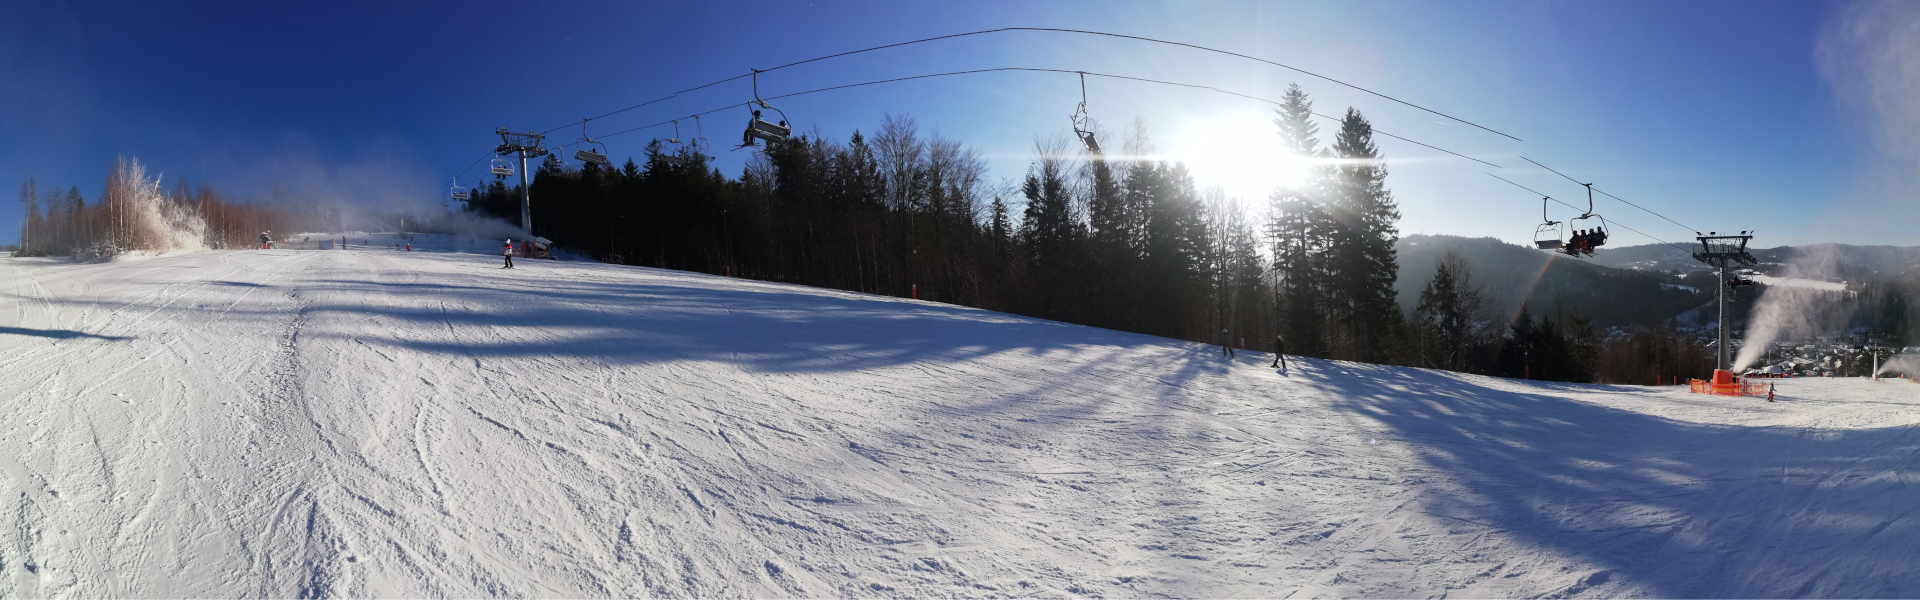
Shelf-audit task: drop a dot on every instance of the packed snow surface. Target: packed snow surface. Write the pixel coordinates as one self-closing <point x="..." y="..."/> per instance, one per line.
<point x="367" y="422"/>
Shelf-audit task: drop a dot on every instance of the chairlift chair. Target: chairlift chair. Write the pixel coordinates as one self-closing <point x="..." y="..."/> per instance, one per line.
<point x="1082" y="122"/>
<point x="584" y="153"/>
<point x="1734" y="285"/>
<point x="1582" y="244"/>
<point x="458" y="192"/>
<point x="759" y="128"/>
<point x="700" y="144"/>
<point x="673" y="156"/>
<point x="501" y="169"/>
<point x="1547" y="236"/>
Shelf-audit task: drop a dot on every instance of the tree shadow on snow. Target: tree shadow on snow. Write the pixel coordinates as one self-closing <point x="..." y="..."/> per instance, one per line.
<point x="58" y="334"/>
<point x="1676" y="509"/>
<point x="758" y="327"/>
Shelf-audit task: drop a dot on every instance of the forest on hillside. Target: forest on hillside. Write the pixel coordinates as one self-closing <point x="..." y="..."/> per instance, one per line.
<point x="1134" y="245"/>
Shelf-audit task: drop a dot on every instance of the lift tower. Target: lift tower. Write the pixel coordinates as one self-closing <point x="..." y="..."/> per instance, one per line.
<point x="1723" y="252"/>
<point x="523" y="145"/>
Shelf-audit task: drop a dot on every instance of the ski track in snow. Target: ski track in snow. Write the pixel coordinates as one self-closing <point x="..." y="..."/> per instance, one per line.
<point x="375" y="423"/>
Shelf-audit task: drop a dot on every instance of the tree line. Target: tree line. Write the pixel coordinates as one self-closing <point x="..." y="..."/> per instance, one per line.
<point x="1134" y="245"/>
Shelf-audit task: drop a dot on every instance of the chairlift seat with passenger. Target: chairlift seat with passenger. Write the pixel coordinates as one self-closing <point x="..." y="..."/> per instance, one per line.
<point x="585" y="154"/>
<point x="759" y="128"/>
<point x="1584" y="242"/>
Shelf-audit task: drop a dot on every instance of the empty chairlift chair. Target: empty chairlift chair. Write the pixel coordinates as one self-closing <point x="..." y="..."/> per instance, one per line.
<point x="1547" y="235"/>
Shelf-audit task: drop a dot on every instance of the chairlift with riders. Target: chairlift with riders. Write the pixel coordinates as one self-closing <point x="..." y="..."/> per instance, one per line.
<point x="584" y="153"/>
<point x="501" y="168"/>
<point x="1584" y="241"/>
<point x="759" y="128"/>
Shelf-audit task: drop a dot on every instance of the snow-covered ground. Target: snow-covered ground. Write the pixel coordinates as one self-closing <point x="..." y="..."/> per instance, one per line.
<point x="375" y="423"/>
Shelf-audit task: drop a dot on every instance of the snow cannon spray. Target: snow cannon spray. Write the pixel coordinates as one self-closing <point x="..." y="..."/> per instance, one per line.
<point x="1787" y="311"/>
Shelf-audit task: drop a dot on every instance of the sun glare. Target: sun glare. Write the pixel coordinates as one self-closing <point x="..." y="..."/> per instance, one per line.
<point x="1241" y="154"/>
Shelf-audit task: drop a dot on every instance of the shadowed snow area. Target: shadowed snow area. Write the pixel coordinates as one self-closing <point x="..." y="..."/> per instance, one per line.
<point x="367" y="422"/>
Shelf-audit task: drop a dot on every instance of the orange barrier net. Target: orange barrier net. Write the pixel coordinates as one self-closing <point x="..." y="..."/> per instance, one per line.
<point x="1735" y="388"/>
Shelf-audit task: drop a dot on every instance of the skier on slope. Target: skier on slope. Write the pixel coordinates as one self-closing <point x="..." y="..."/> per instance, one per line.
<point x="507" y="251"/>
<point x="1226" y="343"/>
<point x="266" y="241"/>
<point x="1279" y="352"/>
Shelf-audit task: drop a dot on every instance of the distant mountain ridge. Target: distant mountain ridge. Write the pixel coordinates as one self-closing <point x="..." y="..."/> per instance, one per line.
<point x="1551" y="284"/>
<point x="1850" y="263"/>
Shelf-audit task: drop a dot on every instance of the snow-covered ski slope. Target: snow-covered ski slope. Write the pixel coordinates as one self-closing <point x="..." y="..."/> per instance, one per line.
<point x="372" y="423"/>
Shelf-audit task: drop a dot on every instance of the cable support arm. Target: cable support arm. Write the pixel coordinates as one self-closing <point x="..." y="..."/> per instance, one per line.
<point x="1591" y="189"/>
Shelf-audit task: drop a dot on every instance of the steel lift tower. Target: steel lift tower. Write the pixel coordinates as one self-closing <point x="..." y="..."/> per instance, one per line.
<point x="523" y="145"/>
<point x="1724" y="252"/>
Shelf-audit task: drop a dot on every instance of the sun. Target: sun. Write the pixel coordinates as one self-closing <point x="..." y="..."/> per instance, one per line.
<point x="1241" y="153"/>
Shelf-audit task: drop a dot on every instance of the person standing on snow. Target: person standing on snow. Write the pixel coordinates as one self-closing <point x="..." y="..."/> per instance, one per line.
<point x="1226" y="343"/>
<point x="1279" y="352"/>
<point x="266" y="241"/>
<point x="507" y="251"/>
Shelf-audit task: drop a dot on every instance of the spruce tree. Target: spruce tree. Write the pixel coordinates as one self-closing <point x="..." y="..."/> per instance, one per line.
<point x="1050" y="232"/>
<point x="1364" y="262"/>
<point x="1298" y="229"/>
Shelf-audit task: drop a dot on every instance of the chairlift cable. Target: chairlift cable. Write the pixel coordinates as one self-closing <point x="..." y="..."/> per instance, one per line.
<point x="474" y="163"/>
<point x="1603" y="192"/>
<point x="1079" y="31"/>
<point x="1602" y="219"/>
<point x="975" y="71"/>
<point x="1327" y="117"/>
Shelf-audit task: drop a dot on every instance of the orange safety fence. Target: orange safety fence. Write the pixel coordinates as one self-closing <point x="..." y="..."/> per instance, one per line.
<point x="1737" y="388"/>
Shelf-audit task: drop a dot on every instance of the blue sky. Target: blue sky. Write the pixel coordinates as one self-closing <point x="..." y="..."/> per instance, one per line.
<point x="1714" y="113"/>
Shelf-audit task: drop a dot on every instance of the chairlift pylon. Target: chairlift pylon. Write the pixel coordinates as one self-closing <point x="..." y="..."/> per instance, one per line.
<point x="1082" y="122"/>
<point x="458" y="192"/>
<point x="758" y="128"/>
<point x="585" y="154"/>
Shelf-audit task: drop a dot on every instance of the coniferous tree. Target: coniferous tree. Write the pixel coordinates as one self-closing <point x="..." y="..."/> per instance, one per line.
<point x="1300" y="229"/>
<point x="1366" y="221"/>
<point x="1111" y="254"/>
<point x="1049" y="230"/>
<point x="1452" y="316"/>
